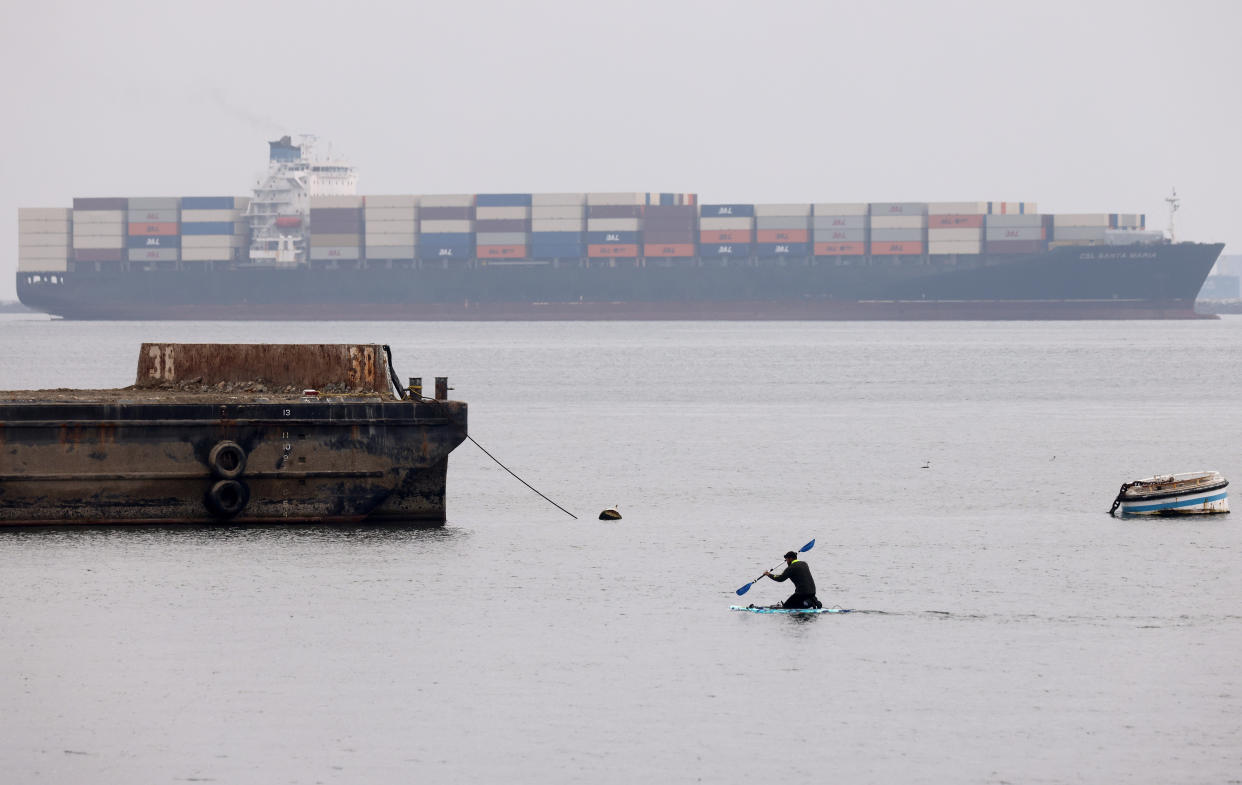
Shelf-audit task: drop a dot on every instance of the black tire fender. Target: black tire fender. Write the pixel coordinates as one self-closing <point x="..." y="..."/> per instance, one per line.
<point x="227" y="460"/>
<point x="227" y="498"/>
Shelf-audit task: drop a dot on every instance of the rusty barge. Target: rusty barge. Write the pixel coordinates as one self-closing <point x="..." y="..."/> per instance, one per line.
<point x="233" y="433"/>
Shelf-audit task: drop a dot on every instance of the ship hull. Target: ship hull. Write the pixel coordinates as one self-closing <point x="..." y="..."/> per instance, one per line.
<point x="1084" y="282"/>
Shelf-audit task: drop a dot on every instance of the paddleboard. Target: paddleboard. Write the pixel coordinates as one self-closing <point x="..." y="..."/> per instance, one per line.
<point x="779" y="609"/>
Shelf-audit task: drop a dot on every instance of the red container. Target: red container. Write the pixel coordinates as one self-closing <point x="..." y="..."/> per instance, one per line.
<point x="782" y="236"/>
<point x="656" y="250"/>
<point x="839" y="249"/>
<point x="726" y="236"/>
<point x="896" y="249"/>
<point x="501" y="252"/>
<point x="955" y="221"/>
<point x="618" y="250"/>
<point x="155" y="229"/>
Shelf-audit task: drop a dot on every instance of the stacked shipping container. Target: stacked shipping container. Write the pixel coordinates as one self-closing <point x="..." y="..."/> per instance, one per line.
<point x="955" y="227"/>
<point x="99" y="231"/>
<point x="153" y="231"/>
<point x="212" y="228"/>
<point x="502" y="226"/>
<point x="669" y="231"/>
<point x="782" y="230"/>
<point x="446" y="228"/>
<point x="839" y="229"/>
<point x="336" y="228"/>
<point x="726" y="230"/>
<point x="44" y="239"/>
<point x="391" y="226"/>
<point x="614" y="224"/>
<point x="898" y="228"/>
<point x="557" y="226"/>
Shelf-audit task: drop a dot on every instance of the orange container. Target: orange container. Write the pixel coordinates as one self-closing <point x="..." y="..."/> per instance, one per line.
<point x="782" y="236"/>
<point x="160" y="229"/>
<point x="896" y="249"/>
<point x="955" y="221"/>
<point x="611" y="249"/>
<point x="656" y="250"/>
<point x="725" y="236"/>
<point x="839" y="249"/>
<point x="501" y="252"/>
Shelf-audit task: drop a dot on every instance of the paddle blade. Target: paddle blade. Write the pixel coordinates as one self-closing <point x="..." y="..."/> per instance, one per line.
<point x="807" y="547"/>
<point x="745" y="588"/>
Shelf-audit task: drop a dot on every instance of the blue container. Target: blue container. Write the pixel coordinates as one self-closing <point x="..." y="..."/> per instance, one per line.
<point x="556" y="238"/>
<point x="502" y="200"/>
<point x="766" y="250"/>
<point x="725" y="210"/>
<point x="431" y="251"/>
<point x="607" y="238"/>
<point x="716" y="250"/>
<point x="207" y="227"/>
<point x="558" y="251"/>
<point x="153" y="241"/>
<point x="207" y="203"/>
<point x="448" y="238"/>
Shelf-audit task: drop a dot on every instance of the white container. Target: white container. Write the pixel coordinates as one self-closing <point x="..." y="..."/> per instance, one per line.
<point x="993" y="233"/>
<point x="898" y="208"/>
<point x="935" y="247"/>
<point x="557" y="200"/>
<point x="403" y="201"/>
<point x="335" y="253"/>
<point x="501" y="213"/>
<point x="1014" y="221"/>
<point x="43" y="240"/>
<point x="955" y="234"/>
<point x="614" y="224"/>
<point x="208" y="254"/>
<point x="391" y="251"/>
<point x="44" y="251"/>
<point x="29" y="226"/>
<point x="26" y="264"/>
<point x="840" y="208"/>
<point x="391" y="238"/>
<point x="335" y="202"/>
<point x="44" y="214"/>
<point x="391" y="227"/>
<point x="335" y="239"/>
<point x="898" y="221"/>
<point x="385" y="214"/>
<point x="447" y="200"/>
<point x="717" y="223"/>
<point x="957" y="208"/>
<point x="96" y="243"/>
<point x="839" y="222"/>
<point x="151" y="216"/>
<point x="82" y="217"/>
<point x="781" y="210"/>
<point x="1080" y="220"/>
<point x="502" y="238"/>
<point x="616" y="198"/>
<point x="782" y="222"/>
<point x="211" y="241"/>
<point x="446" y="225"/>
<point x="558" y="224"/>
<point x="154" y="254"/>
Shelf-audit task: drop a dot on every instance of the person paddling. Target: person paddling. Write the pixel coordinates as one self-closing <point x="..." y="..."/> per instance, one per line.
<point x="797" y="571"/>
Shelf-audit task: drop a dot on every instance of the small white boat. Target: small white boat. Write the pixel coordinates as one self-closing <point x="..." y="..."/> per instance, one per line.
<point x="1192" y="493"/>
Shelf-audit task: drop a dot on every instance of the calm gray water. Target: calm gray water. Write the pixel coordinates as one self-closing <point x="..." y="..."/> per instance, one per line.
<point x="1019" y="634"/>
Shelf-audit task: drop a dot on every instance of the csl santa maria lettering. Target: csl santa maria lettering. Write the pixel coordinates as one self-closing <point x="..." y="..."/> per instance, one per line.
<point x="1091" y="256"/>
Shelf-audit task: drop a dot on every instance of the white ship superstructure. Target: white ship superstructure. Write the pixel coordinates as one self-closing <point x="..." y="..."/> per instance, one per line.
<point x="279" y="213"/>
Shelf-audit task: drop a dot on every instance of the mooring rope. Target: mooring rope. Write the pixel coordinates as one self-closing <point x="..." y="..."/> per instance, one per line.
<point x="519" y="479"/>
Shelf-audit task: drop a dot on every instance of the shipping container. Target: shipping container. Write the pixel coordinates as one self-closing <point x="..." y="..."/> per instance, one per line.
<point x="1014" y="221"/>
<point x="46" y="251"/>
<point x="897" y="236"/>
<point x="211" y="241"/>
<point x="501" y="238"/>
<point x="666" y="223"/>
<point x="98" y="217"/>
<point x="674" y="236"/>
<point x="154" y="254"/>
<point x="99" y="243"/>
<point x="502" y="225"/>
<point x="954" y="221"/>
<point x="683" y="212"/>
<point x="210" y="216"/>
<point x="501" y="213"/>
<point x="995" y="233"/>
<point x="782" y="222"/>
<point x="1080" y="220"/>
<point x="57" y="265"/>
<point x="624" y="238"/>
<point x="727" y="210"/>
<point x="718" y="250"/>
<point x="390" y="251"/>
<point x="431" y="251"/>
<point x="446" y="226"/>
<point x="556" y="238"/>
<point x="208" y="203"/>
<point x="897" y="208"/>
<point x="718" y="236"/>
<point x="609" y="250"/>
<point x="896" y="248"/>
<point x="615" y="198"/>
<point x="391" y="238"/>
<point x="336" y="225"/>
<point x="341" y="240"/>
<point x="1063" y="233"/>
<point x="501" y="251"/>
<point x="783" y="236"/>
<point x="558" y="225"/>
<point x="110" y="204"/>
<point x="28" y="226"/>
<point x="840" y="208"/>
<point x="782" y="211"/>
<point x="344" y="202"/>
<point x="98" y="254"/>
<point x="957" y="208"/>
<point x="839" y="222"/>
<point x="946" y="247"/>
<point x="43" y="214"/>
<point x="840" y="249"/>
<point x="151" y="216"/>
<point x="615" y="211"/>
<point x="726" y="223"/>
<point x="557" y="200"/>
<point x="1012" y="208"/>
<point x="154" y="203"/>
<point x="448" y="238"/>
<point x="1013" y="246"/>
<point x="614" y="224"/>
<point x="504" y="200"/>
<point x="557" y="251"/>
<point x="392" y="227"/>
<point x="220" y="254"/>
<point x="954" y="235"/>
<point x="765" y="250"/>
<point x="347" y="253"/>
<point x="153" y="228"/>
<point x="437" y="213"/>
<point x="898" y="222"/>
<point x="391" y="202"/>
<point x="669" y="250"/>
<point x="44" y="238"/>
<point x="839" y="235"/>
<point x="557" y="211"/>
<point x="148" y="241"/>
<point x="208" y="227"/>
<point x="380" y="214"/>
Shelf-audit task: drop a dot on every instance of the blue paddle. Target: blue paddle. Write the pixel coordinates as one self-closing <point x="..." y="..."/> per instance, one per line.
<point x="746" y="588"/>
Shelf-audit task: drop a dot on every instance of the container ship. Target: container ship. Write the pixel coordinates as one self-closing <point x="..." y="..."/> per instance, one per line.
<point x="306" y="245"/>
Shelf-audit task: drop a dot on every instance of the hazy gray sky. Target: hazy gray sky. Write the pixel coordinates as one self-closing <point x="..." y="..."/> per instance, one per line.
<point x="1080" y="106"/>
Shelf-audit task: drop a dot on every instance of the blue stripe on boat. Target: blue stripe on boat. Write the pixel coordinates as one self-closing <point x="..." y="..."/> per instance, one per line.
<point x="1174" y="504"/>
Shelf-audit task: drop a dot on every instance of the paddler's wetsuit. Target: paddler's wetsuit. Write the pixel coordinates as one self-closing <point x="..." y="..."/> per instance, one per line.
<point x="804" y="585"/>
